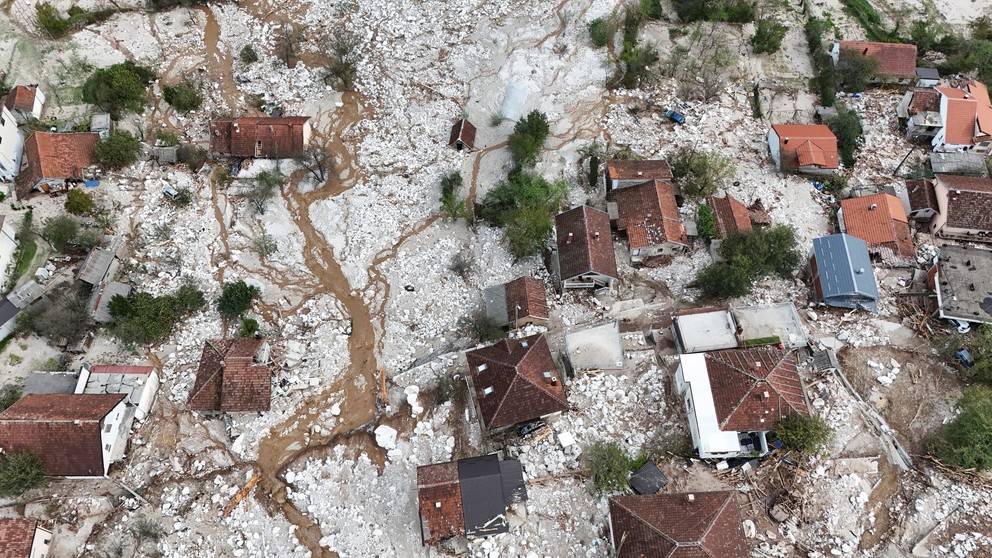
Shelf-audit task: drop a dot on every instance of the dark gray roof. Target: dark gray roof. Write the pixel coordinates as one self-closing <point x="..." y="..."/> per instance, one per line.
<point x="971" y="164"/>
<point x="102" y="312"/>
<point x="96" y="265"/>
<point x="483" y="505"/>
<point x="965" y="283"/>
<point x="927" y="73"/>
<point x="51" y="382"/>
<point x="27" y="293"/>
<point x="844" y="270"/>
<point x="7" y="311"/>
<point x="825" y="360"/>
<point x="648" y="479"/>
<point x="512" y="476"/>
<point x="495" y="300"/>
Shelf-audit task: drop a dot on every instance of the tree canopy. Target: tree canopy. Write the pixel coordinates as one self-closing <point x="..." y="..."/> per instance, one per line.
<point x="528" y="138"/>
<point x="749" y="257"/>
<point x="967" y="440"/>
<point x="118" y="150"/>
<point x="143" y="318"/>
<point x="236" y="298"/>
<point x="118" y="89"/>
<point x="524" y="205"/>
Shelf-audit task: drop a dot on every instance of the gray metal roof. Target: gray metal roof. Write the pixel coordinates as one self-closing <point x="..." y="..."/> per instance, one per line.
<point x="495" y="300"/>
<point x="844" y="269"/>
<point x="488" y="486"/>
<point x="102" y="312"/>
<point x="927" y="73"/>
<point x="648" y="479"/>
<point x="27" y="293"/>
<point x="51" y="382"/>
<point x="512" y="476"/>
<point x="971" y="164"/>
<point x="96" y="265"/>
<point x="825" y="360"/>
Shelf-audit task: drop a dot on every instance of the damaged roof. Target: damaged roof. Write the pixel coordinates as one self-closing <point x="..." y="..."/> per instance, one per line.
<point x="510" y="382"/>
<point x="968" y="201"/>
<point x="965" y="283"/>
<point x="729" y="215"/>
<point x="753" y="389"/>
<point x="881" y="221"/>
<point x="21" y="98"/>
<point x="921" y="194"/>
<point x="696" y="525"/>
<point x="960" y="116"/>
<point x="649" y="214"/>
<point x="55" y="156"/>
<point x="896" y="60"/>
<point x="619" y="169"/>
<point x="264" y="137"/>
<point x="526" y="297"/>
<point x="584" y="243"/>
<point x="230" y="379"/>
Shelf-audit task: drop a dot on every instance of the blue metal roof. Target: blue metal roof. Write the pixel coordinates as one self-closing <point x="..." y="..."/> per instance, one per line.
<point x="845" y="271"/>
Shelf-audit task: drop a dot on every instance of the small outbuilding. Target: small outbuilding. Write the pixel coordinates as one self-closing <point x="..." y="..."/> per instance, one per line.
<point x="462" y="135"/>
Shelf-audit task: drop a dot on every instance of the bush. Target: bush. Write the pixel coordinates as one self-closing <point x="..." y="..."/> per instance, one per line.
<point x="265" y="245"/>
<point x="166" y="5"/>
<point x="700" y="173"/>
<point x="78" y="202"/>
<point x="527" y="139"/>
<point x="768" y="36"/>
<point x="143" y="318"/>
<point x="452" y="205"/>
<point x="166" y="138"/>
<point x="608" y="465"/>
<point x="650" y="9"/>
<point x="184" y="96"/>
<point x="248" y="54"/>
<point x="58" y="231"/>
<point x="64" y="317"/>
<point x="49" y="20"/>
<point x="815" y="29"/>
<point x="523" y="205"/>
<point x="979" y="345"/>
<point x="805" y="434"/>
<point x="749" y="257"/>
<point x="967" y="440"/>
<point x="847" y="127"/>
<point x="733" y="11"/>
<point x="826" y="83"/>
<point x="705" y="222"/>
<point x="236" y="298"/>
<point x="192" y="156"/>
<point x="20" y="472"/>
<point x="342" y="65"/>
<point x="445" y="389"/>
<point x="723" y="279"/>
<point x="119" y="88"/>
<point x="854" y="70"/>
<point x="249" y="327"/>
<point x="9" y="395"/>
<point x="117" y="150"/>
<point x="601" y="30"/>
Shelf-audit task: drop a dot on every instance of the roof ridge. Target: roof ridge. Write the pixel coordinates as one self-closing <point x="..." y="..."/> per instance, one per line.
<point x="506" y="395"/>
<point x="649" y="524"/>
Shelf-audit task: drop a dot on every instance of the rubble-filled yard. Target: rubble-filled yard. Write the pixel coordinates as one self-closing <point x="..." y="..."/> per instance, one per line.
<point x="367" y="309"/>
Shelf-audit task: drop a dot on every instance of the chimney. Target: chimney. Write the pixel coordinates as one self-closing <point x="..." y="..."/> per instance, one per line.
<point x="873" y="207"/>
<point x="785" y="141"/>
<point x="596" y="235"/>
<point x="569" y="239"/>
<point x="237" y="129"/>
<point x="639" y="173"/>
<point x="690" y="498"/>
<point x="865" y="52"/>
<point x="765" y="395"/>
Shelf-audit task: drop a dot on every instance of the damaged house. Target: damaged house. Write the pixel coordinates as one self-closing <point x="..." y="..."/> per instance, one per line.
<point x="51" y="160"/>
<point x="518" y="303"/>
<point x="841" y="273"/>
<point x="233" y="376"/>
<point x="962" y="279"/>
<point x="585" y="257"/>
<point x="515" y="381"/>
<point x="649" y="216"/>
<point x="880" y="220"/>
<point x="966" y="119"/>
<point x="468" y="498"/>
<point x="735" y="397"/>
<point x="730" y="216"/>
<point x="25" y="102"/>
<point x="803" y="148"/>
<point x="896" y="61"/>
<point x="622" y="173"/>
<point x="11" y="146"/>
<point x="269" y="137"/>
<point x="964" y="208"/>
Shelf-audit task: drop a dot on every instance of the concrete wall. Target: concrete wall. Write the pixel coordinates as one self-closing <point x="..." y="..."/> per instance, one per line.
<point x="774" y="148"/>
<point x="7" y="248"/>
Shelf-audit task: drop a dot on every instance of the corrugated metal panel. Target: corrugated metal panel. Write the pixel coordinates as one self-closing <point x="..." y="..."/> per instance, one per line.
<point x="648" y="479"/>
<point x="512" y="477"/>
<point x="844" y="267"/>
<point x="482" y="496"/>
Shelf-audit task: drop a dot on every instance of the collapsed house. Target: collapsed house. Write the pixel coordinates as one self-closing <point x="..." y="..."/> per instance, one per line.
<point x="53" y="160"/>
<point x="233" y="377"/>
<point x="648" y="214"/>
<point x="519" y="303"/>
<point x="962" y="279"/>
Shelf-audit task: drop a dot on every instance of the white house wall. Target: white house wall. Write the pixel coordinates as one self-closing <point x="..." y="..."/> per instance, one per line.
<point x="113" y="437"/>
<point x="7" y="248"/>
<point x="694" y="386"/>
<point x="11" y="145"/>
<point x="774" y="147"/>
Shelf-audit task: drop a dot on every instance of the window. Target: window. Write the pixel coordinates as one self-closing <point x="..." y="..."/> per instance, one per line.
<point x="107" y="428"/>
<point x="523" y="344"/>
<point x="487" y="391"/>
<point x="984" y="144"/>
<point x="481" y="368"/>
<point x="107" y="447"/>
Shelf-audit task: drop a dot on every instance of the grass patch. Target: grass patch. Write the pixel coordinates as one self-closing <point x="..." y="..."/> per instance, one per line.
<point x="27" y="256"/>
<point x="757" y="342"/>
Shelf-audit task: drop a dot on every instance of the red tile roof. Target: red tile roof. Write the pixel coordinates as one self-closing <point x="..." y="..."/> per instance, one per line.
<point x="21" y="98"/>
<point x="438" y="484"/>
<point x="673" y="526"/>
<point x="649" y="214"/>
<point x="618" y="169"/>
<point x="881" y="221"/>
<point x="465" y="131"/>
<point x="514" y="369"/>
<point x="730" y="215"/>
<point x="959" y="120"/>
<point x="228" y="378"/>
<point x="896" y="60"/>
<point x="806" y="144"/>
<point x="924" y="100"/>
<point x="17" y="537"/>
<point x="740" y="380"/>
<point x="921" y="194"/>
<point x="142" y="370"/>
<point x="264" y="137"/>
<point x="64" y="430"/>
<point x="529" y="294"/>
<point x="968" y="201"/>
<point x="980" y="93"/>
<point x="584" y="243"/>
<point x="55" y="156"/>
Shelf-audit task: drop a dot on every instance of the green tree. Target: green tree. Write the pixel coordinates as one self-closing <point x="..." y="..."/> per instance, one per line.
<point x="768" y="36"/>
<point x="263" y="188"/>
<point x="20" y="472"/>
<point x="118" y="149"/>
<point x="705" y="221"/>
<point x="166" y="137"/>
<point x="248" y="54"/>
<point x="236" y="298"/>
<point x="700" y="173"/>
<point x="806" y="434"/>
<point x="452" y="205"/>
<point x="527" y="139"/>
<point x="749" y="257"/>
<point x="724" y="279"/>
<point x="249" y="327"/>
<point x="265" y="245"/>
<point x="523" y="205"/>
<point x="184" y="96"/>
<point x="967" y="440"/>
<point x="650" y="9"/>
<point x="601" y="30"/>
<point x="855" y="70"/>
<point x="342" y="59"/>
<point x="289" y="37"/>
<point x="78" y="202"/>
<point x="847" y="127"/>
<point x="63" y="317"/>
<point x="58" y="231"/>
<point x="49" y="19"/>
<point x="979" y="345"/>
<point x="119" y="88"/>
<point x="143" y="318"/>
<point x="608" y="465"/>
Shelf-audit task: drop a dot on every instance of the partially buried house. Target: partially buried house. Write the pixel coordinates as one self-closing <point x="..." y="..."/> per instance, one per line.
<point x="468" y="498"/>
<point x="518" y="303"/>
<point x="881" y="221"/>
<point x="269" y="137"/>
<point x="50" y="160"/>
<point x="233" y="376"/>
<point x="841" y="273"/>
<point x="515" y="381"/>
<point x="803" y="148"/>
<point x="622" y="173"/>
<point x="649" y="215"/>
<point x="585" y="256"/>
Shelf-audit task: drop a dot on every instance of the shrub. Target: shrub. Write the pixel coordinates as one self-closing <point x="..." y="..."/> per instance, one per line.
<point x="825" y="82"/>
<point x="342" y="65"/>
<point x="815" y="29"/>
<point x="265" y="245"/>
<point x="847" y="127"/>
<point x="527" y="139"/>
<point x="445" y="389"/>
<point x="64" y="317"/>
<point x="78" y="202"/>
<point x="117" y="150"/>
<point x="700" y="173"/>
<point x="236" y="298"/>
<point x="723" y="279"/>
<point x="486" y="329"/>
<point x="20" y="472"/>
<point x="452" y="205"/>
<point x="854" y="70"/>
<point x="601" y="30"/>
<point x="316" y="161"/>
<point x="749" y="257"/>
<point x="705" y="222"/>
<point x="184" y="96"/>
<point x="608" y="465"/>
<point x="263" y="188"/>
<point x="248" y="54"/>
<point x="192" y="156"/>
<point x="143" y="318"/>
<point x="733" y="11"/>
<point x="979" y="345"/>
<point x="249" y="327"/>
<point x="768" y="36"/>
<point x="806" y="434"/>
<point x="650" y="9"/>
<point x="9" y="395"/>
<point x="49" y="20"/>
<point x="167" y="138"/>
<point x="119" y="88"/>
<point x="523" y="205"/>
<point x="967" y="440"/>
<point x="58" y="231"/>
<point x="165" y="5"/>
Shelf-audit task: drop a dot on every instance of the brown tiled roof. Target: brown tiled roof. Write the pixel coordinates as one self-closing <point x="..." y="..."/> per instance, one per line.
<point x="673" y="526"/>
<point x="805" y="144"/>
<point x="55" y="156"/>
<point x="17" y="537"/>
<point x="618" y="169"/>
<point x="100" y="369"/>
<point x="758" y="214"/>
<point x="739" y="380"/>
<point x="63" y="429"/>
<point x="465" y="130"/>
<point x="924" y="100"/>
<point x="438" y="483"/>
<point x="514" y="369"/>
<point x="228" y="379"/>
<point x="894" y="59"/>
<point x="730" y="215"/>
<point x="969" y="200"/>
<point x="980" y="93"/>
<point x="649" y="214"/>
<point x="880" y="220"/>
<point x="589" y="249"/>
<point x="921" y="194"/>
<point x="528" y="293"/>
<point x="264" y="137"/>
<point x="21" y="98"/>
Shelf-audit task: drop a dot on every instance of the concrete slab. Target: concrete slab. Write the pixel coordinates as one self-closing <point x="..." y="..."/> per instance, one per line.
<point x="595" y="348"/>
<point x="779" y="320"/>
